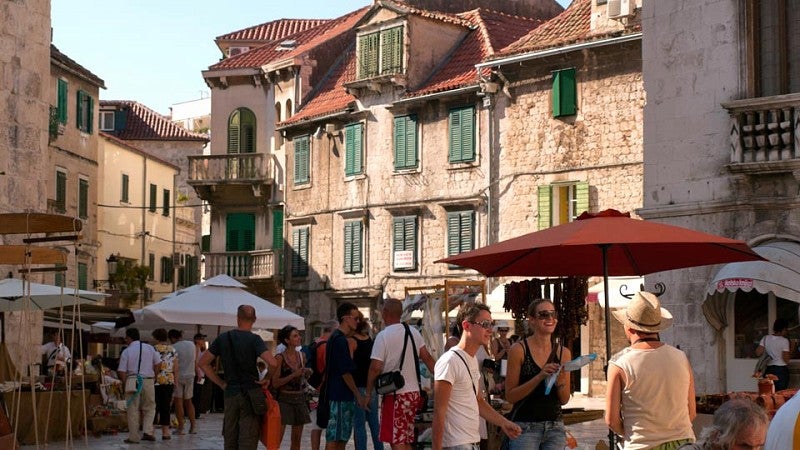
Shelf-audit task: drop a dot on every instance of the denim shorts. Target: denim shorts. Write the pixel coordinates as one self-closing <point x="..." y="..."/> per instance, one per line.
<point x="540" y="436"/>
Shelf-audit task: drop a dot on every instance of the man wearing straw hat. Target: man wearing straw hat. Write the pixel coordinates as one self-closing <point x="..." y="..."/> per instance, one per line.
<point x="650" y="395"/>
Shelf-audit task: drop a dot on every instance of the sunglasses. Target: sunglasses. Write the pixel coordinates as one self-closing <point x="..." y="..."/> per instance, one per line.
<point x="486" y="324"/>
<point x="544" y="315"/>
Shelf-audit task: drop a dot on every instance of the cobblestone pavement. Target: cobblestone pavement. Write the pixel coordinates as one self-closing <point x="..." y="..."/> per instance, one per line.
<point x="210" y="426"/>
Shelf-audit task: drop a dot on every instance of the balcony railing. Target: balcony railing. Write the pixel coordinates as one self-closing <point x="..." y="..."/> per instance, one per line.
<point x="241" y="167"/>
<point x="256" y="264"/>
<point x="765" y="131"/>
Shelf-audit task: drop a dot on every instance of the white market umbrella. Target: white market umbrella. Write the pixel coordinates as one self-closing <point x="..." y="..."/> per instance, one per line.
<point x="42" y="296"/>
<point x="214" y="302"/>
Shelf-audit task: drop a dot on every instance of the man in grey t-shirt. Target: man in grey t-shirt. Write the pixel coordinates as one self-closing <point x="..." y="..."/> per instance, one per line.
<point x="184" y="380"/>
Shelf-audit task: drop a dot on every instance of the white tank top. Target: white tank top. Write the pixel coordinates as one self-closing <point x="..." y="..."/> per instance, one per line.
<point x="655" y="398"/>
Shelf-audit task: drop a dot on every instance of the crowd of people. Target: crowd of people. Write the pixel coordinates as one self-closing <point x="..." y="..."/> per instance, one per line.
<point x="650" y="398"/>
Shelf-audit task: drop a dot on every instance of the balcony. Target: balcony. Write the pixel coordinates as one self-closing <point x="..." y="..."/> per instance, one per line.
<point x="765" y="134"/>
<point x="248" y="177"/>
<point x="252" y="265"/>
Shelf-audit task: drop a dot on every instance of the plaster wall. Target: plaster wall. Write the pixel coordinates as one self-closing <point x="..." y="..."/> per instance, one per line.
<point x="258" y="98"/>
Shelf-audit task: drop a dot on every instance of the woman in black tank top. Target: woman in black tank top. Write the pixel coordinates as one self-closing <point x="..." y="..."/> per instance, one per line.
<point x="530" y="363"/>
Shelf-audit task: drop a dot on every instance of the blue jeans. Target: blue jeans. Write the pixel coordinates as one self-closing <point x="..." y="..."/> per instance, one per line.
<point x="540" y="436"/>
<point x="361" y="418"/>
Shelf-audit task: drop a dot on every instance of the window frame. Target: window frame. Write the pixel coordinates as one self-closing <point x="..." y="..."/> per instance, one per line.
<point x="458" y="151"/>
<point x="458" y="220"/>
<point x="302" y="160"/>
<point x="242" y="126"/>
<point x="564" y="93"/>
<point x="62" y="106"/>
<point x="353" y="249"/>
<point x="60" y="202"/>
<point x="373" y="54"/>
<point x="400" y="225"/>
<point x="125" y="186"/>
<point x="577" y="201"/>
<point x="784" y="48"/>
<point x="166" y="196"/>
<point x="84" y="117"/>
<point x="301" y="237"/>
<point x="83" y="197"/>
<point x="167" y="270"/>
<point x="406" y="142"/>
<point x="153" y="206"/>
<point x="354" y="149"/>
<point x="103" y="119"/>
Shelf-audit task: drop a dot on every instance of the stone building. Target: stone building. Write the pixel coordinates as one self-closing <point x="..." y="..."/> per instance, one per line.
<point x="388" y="161"/>
<point x="150" y="132"/>
<point x="566" y="135"/>
<point x="721" y="129"/>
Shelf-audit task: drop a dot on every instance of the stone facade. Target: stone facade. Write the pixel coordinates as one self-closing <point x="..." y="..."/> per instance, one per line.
<point x="696" y="64"/>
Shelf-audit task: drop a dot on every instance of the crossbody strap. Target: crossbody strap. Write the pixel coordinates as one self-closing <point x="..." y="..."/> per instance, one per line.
<point x="472" y="381"/>
<point x="416" y="357"/>
<point x="405" y="344"/>
<point x="139" y="367"/>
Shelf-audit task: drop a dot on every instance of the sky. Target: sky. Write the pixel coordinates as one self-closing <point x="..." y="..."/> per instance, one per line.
<point x="152" y="51"/>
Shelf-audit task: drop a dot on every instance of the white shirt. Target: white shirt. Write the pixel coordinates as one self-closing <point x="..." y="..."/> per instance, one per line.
<point x="775" y="346"/>
<point x="388" y="347"/>
<point x="186" y="354"/>
<point x="56" y="354"/>
<point x="462" y="419"/>
<point x="129" y="359"/>
<point x="780" y="435"/>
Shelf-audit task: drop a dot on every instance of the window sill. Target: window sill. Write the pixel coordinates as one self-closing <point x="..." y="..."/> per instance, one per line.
<point x="461" y="165"/>
<point x="407" y="171"/>
<point x="301" y="187"/>
<point x="355" y="177"/>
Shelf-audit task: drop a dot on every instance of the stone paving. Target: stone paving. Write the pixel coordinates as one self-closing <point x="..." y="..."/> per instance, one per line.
<point x="210" y="426"/>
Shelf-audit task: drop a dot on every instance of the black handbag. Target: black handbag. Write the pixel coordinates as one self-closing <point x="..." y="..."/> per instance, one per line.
<point x="391" y="382"/>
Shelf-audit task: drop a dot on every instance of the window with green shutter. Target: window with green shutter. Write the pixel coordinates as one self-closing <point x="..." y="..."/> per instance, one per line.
<point x="565" y="93"/>
<point x="302" y="159"/>
<point x="83" y="198"/>
<point x="167" y="270"/>
<point x="60" y="278"/>
<point x="353" y="246"/>
<point x="242" y="131"/>
<point x="153" y="197"/>
<point x="462" y="134"/>
<point x="354" y="149"/>
<point x="192" y="270"/>
<point x="83" y="276"/>
<point x="151" y="264"/>
<point x="79" y="108"/>
<point x="300" y="258"/>
<point x="562" y="203"/>
<point x="277" y="236"/>
<point x="241" y="232"/>
<point x="165" y="206"/>
<point x="84" y="111"/>
<point x="125" y="189"/>
<point x="205" y="243"/>
<point x="61" y="191"/>
<point x="404" y="243"/>
<point x="63" y="95"/>
<point x="380" y="53"/>
<point x="460" y="232"/>
<point x="405" y="142"/>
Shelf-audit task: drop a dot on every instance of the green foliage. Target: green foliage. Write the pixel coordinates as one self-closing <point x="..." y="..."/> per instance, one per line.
<point x="131" y="279"/>
<point x="53" y="125"/>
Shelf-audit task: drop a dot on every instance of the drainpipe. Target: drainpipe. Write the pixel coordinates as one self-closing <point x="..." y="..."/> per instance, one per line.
<point x="174" y="222"/>
<point x="143" y="233"/>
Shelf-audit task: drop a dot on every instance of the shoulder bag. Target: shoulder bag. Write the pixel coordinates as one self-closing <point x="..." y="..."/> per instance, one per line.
<point x="133" y="384"/>
<point x="256" y="397"/>
<point x="390" y="382"/>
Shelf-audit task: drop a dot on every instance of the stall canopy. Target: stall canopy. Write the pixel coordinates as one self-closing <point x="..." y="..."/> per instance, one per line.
<point x="780" y="275"/>
<point x="14" y="291"/>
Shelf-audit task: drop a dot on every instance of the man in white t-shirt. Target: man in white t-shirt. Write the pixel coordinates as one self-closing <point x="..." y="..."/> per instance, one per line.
<point x="57" y="354"/>
<point x="184" y="386"/>
<point x="782" y="433"/>
<point x="399" y="408"/>
<point x="459" y="403"/>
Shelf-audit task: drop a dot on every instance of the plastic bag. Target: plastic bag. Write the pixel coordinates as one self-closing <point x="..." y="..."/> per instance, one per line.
<point x="271" y="425"/>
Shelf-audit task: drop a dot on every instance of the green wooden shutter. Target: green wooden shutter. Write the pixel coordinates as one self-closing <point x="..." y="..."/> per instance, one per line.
<point x="241" y="231"/>
<point x="301" y="159"/>
<point x="462" y="135"/>
<point x="83" y="198"/>
<point x="79" y="110"/>
<point x="368" y="46"/>
<point x="277" y="236"/>
<point x="125" y="188"/>
<point x="564" y="94"/>
<point x="460" y="232"/>
<point x="61" y="190"/>
<point x="151" y="264"/>
<point x="233" y="132"/>
<point x="60" y="279"/>
<point x="247" y="140"/>
<point x="353" y="149"/>
<point x="391" y="50"/>
<point x="83" y="276"/>
<point x="300" y="252"/>
<point x="89" y="114"/>
<point x="205" y="243"/>
<point x="153" y="197"/>
<point x="63" y="95"/>
<point x="352" y="246"/>
<point x="165" y="206"/>
<point x="545" y="206"/>
<point x="582" y="194"/>
<point x="404" y="237"/>
<point x="405" y="142"/>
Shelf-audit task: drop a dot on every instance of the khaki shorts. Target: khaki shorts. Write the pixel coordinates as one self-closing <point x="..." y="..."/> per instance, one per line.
<point x="184" y="388"/>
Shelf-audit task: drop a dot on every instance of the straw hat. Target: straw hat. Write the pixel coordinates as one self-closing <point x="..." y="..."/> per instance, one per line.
<point x="644" y="313"/>
<point x="498" y="324"/>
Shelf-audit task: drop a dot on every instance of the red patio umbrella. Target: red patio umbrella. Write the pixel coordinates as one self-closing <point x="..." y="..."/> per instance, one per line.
<point x="608" y="243"/>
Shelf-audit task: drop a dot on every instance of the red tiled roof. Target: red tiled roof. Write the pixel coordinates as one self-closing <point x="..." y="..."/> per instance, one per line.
<point x="271" y="31"/>
<point x="144" y="124"/>
<point x="332" y="96"/>
<point x="436" y="15"/>
<point x="572" y="26"/>
<point x="78" y="69"/>
<point x="306" y="40"/>
<point x="495" y="30"/>
<point x="136" y="149"/>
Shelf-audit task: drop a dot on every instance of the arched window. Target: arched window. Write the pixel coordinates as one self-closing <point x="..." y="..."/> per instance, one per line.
<point x="277" y="112"/>
<point x="288" y="109"/>
<point x="242" y="131"/>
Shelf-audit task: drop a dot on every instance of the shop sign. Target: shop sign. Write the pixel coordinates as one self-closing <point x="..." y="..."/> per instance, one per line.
<point x="735" y="283"/>
<point x="404" y="259"/>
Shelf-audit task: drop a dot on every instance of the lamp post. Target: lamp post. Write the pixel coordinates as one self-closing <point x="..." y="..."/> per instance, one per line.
<point x="112" y="262"/>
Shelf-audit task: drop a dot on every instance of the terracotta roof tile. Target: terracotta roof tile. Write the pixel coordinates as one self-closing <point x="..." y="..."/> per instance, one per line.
<point x="436" y="15"/>
<point x="332" y="96"/>
<point x="79" y="70"/>
<point x="271" y="31"/>
<point x="142" y="123"/>
<point x="306" y="40"/>
<point x="136" y="149"/>
<point x="494" y="30"/>
<point x="572" y="26"/>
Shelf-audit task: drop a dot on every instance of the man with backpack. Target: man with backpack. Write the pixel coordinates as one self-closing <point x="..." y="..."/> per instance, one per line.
<point x="316" y="362"/>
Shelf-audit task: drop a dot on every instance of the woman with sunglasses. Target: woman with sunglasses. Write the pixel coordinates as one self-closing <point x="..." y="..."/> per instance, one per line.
<point x="530" y="362"/>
